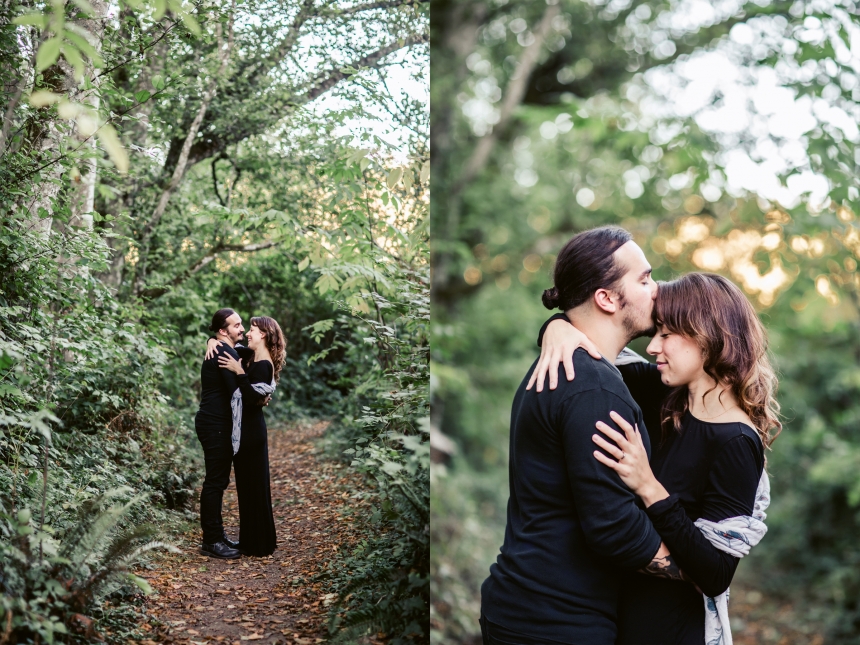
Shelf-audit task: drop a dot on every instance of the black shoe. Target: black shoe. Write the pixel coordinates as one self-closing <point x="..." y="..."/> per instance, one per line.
<point x="229" y="542"/>
<point x="219" y="550"/>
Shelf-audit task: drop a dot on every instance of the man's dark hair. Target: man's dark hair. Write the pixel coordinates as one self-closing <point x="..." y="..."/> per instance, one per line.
<point x="584" y="265"/>
<point x="219" y="320"/>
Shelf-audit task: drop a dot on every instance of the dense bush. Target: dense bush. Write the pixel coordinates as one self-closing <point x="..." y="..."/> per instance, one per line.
<point x="386" y="426"/>
<point x="89" y="449"/>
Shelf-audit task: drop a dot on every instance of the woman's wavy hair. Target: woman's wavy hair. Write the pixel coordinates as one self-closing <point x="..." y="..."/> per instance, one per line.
<point x="274" y="339"/>
<point x="714" y="313"/>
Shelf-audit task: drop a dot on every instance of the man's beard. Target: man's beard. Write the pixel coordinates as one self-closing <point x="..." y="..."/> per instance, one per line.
<point x="637" y="323"/>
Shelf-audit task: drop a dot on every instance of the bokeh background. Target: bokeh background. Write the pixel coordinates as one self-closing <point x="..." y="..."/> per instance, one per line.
<point x="723" y="135"/>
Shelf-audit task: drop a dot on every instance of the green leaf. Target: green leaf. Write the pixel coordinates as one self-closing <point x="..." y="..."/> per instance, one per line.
<point x="11" y="390"/>
<point x="71" y="54"/>
<point x="304" y="264"/>
<point x="110" y="140"/>
<point x="358" y="155"/>
<point x="364" y="163"/>
<point x="390" y="467"/>
<point x="141" y="583"/>
<point x="319" y="328"/>
<point x="326" y="282"/>
<point x="425" y="172"/>
<point x="68" y="110"/>
<point x="36" y="19"/>
<point x="160" y="9"/>
<point x="393" y="177"/>
<point x="189" y="22"/>
<point x="86" y="48"/>
<point x="48" y="53"/>
<point x="41" y="98"/>
<point x="141" y="96"/>
<point x="158" y="82"/>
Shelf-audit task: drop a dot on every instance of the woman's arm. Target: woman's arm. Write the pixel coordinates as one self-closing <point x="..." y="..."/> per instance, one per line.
<point x="558" y="339"/>
<point x="261" y="372"/>
<point x="730" y="492"/>
<point x="212" y="348"/>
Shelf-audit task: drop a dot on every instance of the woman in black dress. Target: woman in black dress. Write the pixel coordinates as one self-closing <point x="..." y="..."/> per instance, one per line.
<point x="257" y="374"/>
<point x="709" y="407"/>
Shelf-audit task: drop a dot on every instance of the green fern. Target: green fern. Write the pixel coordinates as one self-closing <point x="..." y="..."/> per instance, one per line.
<point x="93" y="557"/>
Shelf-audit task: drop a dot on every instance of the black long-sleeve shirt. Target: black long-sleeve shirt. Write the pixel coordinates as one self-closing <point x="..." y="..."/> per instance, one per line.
<point x="572" y="526"/>
<point x="217" y="385"/>
<point x="711" y="471"/>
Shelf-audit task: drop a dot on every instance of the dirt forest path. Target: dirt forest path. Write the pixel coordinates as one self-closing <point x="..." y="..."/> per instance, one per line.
<point x="265" y="600"/>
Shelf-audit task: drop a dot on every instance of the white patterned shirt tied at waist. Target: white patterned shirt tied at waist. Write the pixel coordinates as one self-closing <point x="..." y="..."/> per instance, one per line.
<point x="236" y="408"/>
<point x="735" y="536"/>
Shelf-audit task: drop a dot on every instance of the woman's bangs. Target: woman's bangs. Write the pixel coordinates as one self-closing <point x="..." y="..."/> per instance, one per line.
<point x="672" y="311"/>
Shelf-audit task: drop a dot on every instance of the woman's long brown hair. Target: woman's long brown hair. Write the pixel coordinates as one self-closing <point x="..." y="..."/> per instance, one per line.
<point x="274" y="340"/>
<point x="714" y="313"/>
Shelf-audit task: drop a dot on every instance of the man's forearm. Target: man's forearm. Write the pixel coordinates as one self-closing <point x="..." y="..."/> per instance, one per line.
<point x="662" y="565"/>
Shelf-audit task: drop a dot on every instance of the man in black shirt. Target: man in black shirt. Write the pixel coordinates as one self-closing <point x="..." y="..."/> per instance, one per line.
<point x="573" y="526"/>
<point x="214" y="426"/>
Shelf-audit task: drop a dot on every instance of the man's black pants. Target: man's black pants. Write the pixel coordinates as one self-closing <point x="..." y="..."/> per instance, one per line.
<point x="218" y="457"/>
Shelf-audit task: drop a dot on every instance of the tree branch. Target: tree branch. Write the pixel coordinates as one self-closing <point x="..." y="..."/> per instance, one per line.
<point x="182" y="163"/>
<point x="383" y="4"/>
<point x="280" y="52"/>
<point x="156" y="292"/>
<point x="136" y="56"/>
<point x="215" y="180"/>
<point x="327" y="80"/>
<point x="323" y="83"/>
<point x="514" y="94"/>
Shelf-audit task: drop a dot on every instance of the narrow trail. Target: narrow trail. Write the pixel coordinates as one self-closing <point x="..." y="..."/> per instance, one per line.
<point x="270" y="600"/>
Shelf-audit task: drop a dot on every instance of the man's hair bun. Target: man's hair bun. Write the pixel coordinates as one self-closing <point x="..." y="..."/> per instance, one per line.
<point x="550" y="298"/>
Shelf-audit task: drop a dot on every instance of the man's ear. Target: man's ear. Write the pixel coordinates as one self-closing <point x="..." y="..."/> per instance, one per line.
<point x="606" y="301"/>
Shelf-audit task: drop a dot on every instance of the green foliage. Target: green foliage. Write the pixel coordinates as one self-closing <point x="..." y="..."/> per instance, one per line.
<point x="115" y="250"/>
<point x="50" y="579"/>
<point x="388" y="587"/>
<point x="84" y="435"/>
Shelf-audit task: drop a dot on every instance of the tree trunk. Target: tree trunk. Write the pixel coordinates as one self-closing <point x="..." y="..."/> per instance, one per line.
<point x="83" y="199"/>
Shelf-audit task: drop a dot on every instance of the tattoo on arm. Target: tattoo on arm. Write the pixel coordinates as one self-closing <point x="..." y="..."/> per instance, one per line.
<point x="663" y="567"/>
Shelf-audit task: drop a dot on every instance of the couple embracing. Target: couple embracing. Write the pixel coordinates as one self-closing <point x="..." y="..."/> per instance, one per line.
<point x="635" y="488"/>
<point x="237" y="381"/>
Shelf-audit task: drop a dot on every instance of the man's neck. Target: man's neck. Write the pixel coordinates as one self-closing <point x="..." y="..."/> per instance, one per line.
<point x="601" y="330"/>
<point x="226" y="339"/>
